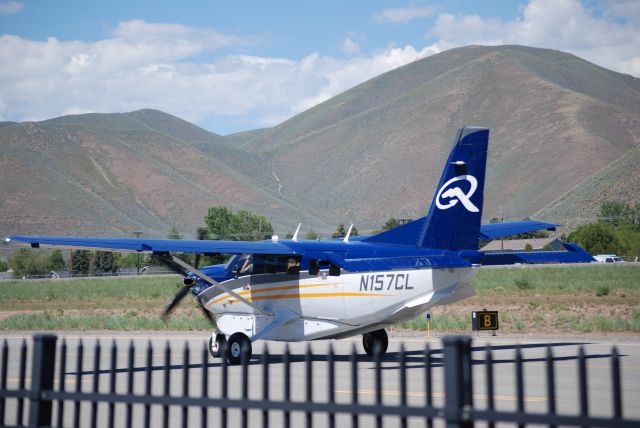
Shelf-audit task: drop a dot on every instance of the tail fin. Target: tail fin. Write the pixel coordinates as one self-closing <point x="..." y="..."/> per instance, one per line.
<point x="453" y="221"/>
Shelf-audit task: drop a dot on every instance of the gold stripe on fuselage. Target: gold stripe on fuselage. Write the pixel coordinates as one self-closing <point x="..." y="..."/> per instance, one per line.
<point x="297" y="296"/>
<point x="277" y="288"/>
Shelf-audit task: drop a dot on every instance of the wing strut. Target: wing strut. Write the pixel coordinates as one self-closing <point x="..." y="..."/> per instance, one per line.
<point x="217" y="284"/>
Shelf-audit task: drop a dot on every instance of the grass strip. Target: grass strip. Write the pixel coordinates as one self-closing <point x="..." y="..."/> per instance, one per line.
<point x="580" y="299"/>
<point x="48" y="321"/>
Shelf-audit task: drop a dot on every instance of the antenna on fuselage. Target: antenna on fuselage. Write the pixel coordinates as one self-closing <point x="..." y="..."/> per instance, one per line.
<point x="295" y="235"/>
<point x="346" y="238"/>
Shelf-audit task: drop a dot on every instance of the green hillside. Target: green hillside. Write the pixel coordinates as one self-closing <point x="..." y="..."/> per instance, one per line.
<point x="119" y="173"/>
<point x="555" y="119"/>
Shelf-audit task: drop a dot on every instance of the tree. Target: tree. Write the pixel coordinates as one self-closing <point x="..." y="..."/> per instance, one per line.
<point x="536" y="234"/>
<point x="340" y="232"/>
<point x="57" y="260"/>
<point x="128" y="260"/>
<point x="391" y="223"/>
<point x="618" y="214"/>
<point x="104" y="263"/>
<point x="174" y="233"/>
<point x="80" y="262"/>
<point x="596" y="238"/>
<point x="29" y="262"/>
<point x="4" y="266"/>
<point x="311" y="235"/>
<point x="185" y="257"/>
<point x="629" y="243"/>
<point x="223" y="223"/>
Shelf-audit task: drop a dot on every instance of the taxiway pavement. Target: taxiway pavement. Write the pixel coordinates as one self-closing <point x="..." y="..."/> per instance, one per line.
<point x="565" y="351"/>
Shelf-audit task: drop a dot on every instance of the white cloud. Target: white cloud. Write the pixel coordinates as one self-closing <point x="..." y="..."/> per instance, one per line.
<point x="403" y="15"/>
<point x="349" y="46"/>
<point x="10" y="7"/>
<point x="154" y="65"/>
<point x="558" y="24"/>
<point x="627" y="10"/>
<point x="180" y="70"/>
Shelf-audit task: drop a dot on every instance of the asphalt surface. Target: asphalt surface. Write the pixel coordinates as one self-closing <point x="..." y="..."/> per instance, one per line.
<point x="534" y="350"/>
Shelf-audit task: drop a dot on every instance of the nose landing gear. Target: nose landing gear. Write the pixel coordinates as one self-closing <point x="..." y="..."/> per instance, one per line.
<point x="217" y="342"/>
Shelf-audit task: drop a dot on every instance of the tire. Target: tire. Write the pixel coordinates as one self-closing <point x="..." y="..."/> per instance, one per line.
<point x="375" y="338"/>
<point x="236" y="343"/>
<point x="216" y="346"/>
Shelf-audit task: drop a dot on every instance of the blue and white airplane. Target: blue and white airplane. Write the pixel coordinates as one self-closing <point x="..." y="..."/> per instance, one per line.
<point x="293" y="290"/>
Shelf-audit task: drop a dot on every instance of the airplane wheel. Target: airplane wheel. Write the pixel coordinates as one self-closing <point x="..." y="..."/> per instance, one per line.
<point x="369" y="341"/>
<point x="215" y="346"/>
<point x="236" y="342"/>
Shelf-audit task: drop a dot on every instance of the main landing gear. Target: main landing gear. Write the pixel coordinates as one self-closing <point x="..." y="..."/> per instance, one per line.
<point x="234" y="345"/>
<point x="373" y="339"/>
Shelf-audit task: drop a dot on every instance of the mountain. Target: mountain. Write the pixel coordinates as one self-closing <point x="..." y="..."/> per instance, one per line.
<point x="105" y="174"/>
<point x="565" y="135"/>
<point x="377" y="150"/>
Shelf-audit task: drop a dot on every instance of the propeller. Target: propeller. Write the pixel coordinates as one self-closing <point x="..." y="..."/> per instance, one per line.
<point x="168" y="261"/>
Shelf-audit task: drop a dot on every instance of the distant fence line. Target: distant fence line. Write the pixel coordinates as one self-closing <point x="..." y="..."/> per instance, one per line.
<point x="66" y="275"/>
<point x="47" y="402"/>
<point x="151" y="272"/>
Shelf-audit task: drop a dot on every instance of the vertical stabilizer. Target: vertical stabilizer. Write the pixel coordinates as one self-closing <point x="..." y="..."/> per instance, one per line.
<point x="453" y="220"/>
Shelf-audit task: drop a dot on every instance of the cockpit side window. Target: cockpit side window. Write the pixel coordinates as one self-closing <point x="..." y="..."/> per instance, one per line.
<point x="272" y="264"/>
<point x="244" y="266"/>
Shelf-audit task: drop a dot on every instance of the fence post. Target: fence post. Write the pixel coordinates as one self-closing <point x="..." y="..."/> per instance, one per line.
<point x="42" y="372"/>
<point x="458" y="383"/>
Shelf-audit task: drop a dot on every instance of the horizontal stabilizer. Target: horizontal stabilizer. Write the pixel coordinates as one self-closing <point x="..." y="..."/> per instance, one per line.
<point x="573" y="254"/>
<point x="403" y="234"/>
<point x="499" y="230"/>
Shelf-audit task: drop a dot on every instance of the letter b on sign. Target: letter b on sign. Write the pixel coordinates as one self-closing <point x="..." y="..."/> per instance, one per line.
<point x="484" y="320"/>
<point x="487" y="320"/>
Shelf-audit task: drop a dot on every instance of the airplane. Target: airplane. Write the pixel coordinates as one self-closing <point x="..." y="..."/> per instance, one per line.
<point x="295" y="290"/>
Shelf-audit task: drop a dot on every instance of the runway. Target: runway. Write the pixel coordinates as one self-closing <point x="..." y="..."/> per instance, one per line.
<point x="565" y="351"/>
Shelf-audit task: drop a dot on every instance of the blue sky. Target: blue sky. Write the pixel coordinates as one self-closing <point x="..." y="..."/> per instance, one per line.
<point x="233" y="66"/>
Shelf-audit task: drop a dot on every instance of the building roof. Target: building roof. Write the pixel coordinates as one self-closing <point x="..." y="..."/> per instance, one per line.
<point x="519" y="244"/>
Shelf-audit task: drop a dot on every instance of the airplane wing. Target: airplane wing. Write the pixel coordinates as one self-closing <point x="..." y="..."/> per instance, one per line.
<point x="499" y="230"/>
<point x="154" y="245"/>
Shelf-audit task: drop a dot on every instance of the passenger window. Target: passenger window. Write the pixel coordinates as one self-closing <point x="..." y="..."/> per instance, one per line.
<point x="334" y="270"/>
<point x="314" y="267"/>
<point x="276" y="264"/>
<point x="293" y="266"/>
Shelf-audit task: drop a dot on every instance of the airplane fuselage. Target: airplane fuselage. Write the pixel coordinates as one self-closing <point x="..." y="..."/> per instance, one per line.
<point x="339" y="305"/>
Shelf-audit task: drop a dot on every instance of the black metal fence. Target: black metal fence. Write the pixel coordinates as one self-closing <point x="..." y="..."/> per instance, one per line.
<point x="45" y="400"/>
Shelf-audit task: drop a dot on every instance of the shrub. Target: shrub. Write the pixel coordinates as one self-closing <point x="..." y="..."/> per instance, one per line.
<point x="29" y="262"/>
<point x="602" y="290"/>
<point x="523" y="283"/>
